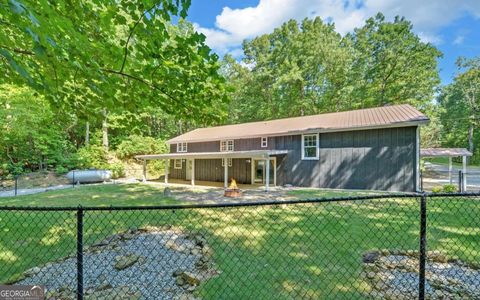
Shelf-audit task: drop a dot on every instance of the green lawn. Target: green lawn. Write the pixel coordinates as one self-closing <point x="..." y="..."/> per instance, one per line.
<point x="269" y="252"/>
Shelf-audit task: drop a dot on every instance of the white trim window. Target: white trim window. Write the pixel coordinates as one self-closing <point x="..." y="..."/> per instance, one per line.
<point x="264" y="142"/>
<point x="310" y="146"/>
<point x="178" y="164"/>
<point x="181" y="147"/>
<point x="229" y="162"/>
<point x="226" y="145"/>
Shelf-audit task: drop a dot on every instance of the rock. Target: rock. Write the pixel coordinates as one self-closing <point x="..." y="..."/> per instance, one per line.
<point x="31" y="271"/>
<point x="180" y="281"/>
<point x="189" y="278"/>
<point x="370" y="257"/>
<point x="195" y="251"/>
<point x="207" y="251"/>
<point x="167" y="192"/>
<point x="125" y="261"/>
<point x="103" y="286"/>
<point x="177" y="272"/>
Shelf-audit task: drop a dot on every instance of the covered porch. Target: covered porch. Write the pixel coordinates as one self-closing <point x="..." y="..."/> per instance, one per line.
<point x="262" y="168"/>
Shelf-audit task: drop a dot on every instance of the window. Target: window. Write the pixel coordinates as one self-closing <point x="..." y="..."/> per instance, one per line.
<point x="181" y="147"/>
<point x="177" y="164"/>
<point x="226" y="145"/>
<point x="229" y="162"/>
<point x="264" y="142"/>
<point x="310" y="146"/>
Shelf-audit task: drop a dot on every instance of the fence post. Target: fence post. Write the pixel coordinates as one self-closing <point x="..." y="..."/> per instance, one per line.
<point x="421" y="181"/>
<point x="80" y="253"/>
<point x="16" y="184"/>
<point x="423" y="246"/>
<point x="460" y="181"/>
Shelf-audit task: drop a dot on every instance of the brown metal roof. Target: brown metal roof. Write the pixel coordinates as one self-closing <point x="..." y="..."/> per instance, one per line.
<point x="445" y="152"/>
<point x="379" y="117"/>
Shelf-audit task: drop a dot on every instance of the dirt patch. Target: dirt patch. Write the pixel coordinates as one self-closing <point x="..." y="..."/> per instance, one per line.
<point x="148" y="263"/>
<point x="394" y="275"/>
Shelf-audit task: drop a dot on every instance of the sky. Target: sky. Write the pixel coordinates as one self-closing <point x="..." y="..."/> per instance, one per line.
<point x="453" y="26"/>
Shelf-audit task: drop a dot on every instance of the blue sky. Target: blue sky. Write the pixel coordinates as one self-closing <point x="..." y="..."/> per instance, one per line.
<point x="453" y="26"/>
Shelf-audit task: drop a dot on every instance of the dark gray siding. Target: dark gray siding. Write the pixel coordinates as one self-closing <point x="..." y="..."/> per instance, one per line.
<point x="380" y="159"/>
<point x="212" y="170"/>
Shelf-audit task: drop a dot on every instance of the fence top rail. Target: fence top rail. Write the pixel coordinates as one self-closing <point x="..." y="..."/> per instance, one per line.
<point x="237" y="204"/>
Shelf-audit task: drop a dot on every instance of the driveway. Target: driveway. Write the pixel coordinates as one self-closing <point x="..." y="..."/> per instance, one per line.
<point x="437" y="175"/>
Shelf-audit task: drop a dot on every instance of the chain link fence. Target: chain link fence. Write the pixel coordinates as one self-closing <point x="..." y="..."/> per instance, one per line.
<point x="382" y="247"/>
<point x="37" y="182"/>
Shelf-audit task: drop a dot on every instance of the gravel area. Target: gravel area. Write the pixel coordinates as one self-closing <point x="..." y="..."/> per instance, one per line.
<point x="394" y="275"/>
<point x="134" y="265"/>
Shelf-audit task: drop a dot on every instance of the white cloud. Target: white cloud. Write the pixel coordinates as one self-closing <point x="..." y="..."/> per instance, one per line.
<point x="459" y="40"/>
<point x="232" y="26"/>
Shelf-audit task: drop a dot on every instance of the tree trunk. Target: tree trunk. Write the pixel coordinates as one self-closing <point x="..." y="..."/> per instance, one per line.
<point x="105" y="130"/>
<point x="470" y="139"/>
<point x="87" y="134"/>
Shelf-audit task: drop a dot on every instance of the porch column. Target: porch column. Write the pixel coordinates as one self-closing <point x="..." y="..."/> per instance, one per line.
<point x="267" y="174"/>
<point x="464" y="163"/>
<point x="193" y="171"/>
<point x="225" y="172"/>
<point x="144" y="177"/>
<point x="167" y="164"/>
<point x="450" y="169"/>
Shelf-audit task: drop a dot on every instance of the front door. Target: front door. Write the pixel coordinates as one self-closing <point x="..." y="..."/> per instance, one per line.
<point x="188" y="175"/>
<point x="259" y="168"/>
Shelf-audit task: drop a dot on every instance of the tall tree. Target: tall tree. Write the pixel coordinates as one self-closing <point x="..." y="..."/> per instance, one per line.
<point x="392" y="65"/>
<point x="460" y="101"/>
<point x="89" y="55"/>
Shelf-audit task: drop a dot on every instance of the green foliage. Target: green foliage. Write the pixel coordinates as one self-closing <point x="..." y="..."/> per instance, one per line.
<point x="111" y="54"/>
<point x="309" y="68"/>
<point x="446" y="188"/>
<point x="137" y="144"/>
<point x="118" y="170"/>
<point x="460" y="108"/>
<point x="32" y="136"/>
<point x="93" y="157"/>
<point x="450" y="188"/>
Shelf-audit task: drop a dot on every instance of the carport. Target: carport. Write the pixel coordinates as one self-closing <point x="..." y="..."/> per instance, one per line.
<point x="450" y="152"/>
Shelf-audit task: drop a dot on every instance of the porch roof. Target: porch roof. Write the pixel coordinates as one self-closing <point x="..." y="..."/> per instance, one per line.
<point x="230" y="154"/>
<point x="445" y="152"/>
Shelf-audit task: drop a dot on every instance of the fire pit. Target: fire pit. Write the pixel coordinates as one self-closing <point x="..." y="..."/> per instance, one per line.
<point x="233" y="191"/>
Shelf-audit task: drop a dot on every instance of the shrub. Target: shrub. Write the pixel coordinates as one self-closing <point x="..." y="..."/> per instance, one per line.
<point x="118" y="170"/>
<point x="450" y="188"/>
<point x="59" y="170"/>
<point x="437" y="189"/>
<point x="93" y="157"/>
<point x="137" y="144"/>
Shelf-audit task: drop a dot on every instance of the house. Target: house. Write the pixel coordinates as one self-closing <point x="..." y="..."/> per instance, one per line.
<point x="370" y="149"/>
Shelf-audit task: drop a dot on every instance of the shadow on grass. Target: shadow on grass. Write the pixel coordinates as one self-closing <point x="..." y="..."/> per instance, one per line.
<point x="282" y="251"/>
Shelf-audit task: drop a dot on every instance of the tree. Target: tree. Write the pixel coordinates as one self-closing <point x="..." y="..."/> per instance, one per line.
<point x="392" y="65"/>
<point x="460" y="101"/>
<point x="309" y="68"/>
<point x="32" y="136"/>
<point x="106" y="54"/>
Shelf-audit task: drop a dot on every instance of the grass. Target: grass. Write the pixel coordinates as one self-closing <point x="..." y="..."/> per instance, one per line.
<point x="282" y="252"/>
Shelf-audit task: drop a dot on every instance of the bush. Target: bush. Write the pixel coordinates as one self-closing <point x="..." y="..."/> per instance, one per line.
<point x="137" y="144"/>
<point x="59" y="170"/>
<point x="118" y="170"/>
<point x="450" y="188"/>
<point x="92" y="157"/>
<point x="437" y="189"/>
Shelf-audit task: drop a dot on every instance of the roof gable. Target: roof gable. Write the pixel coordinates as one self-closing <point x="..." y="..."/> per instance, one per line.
<point x="379" y="117"/>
